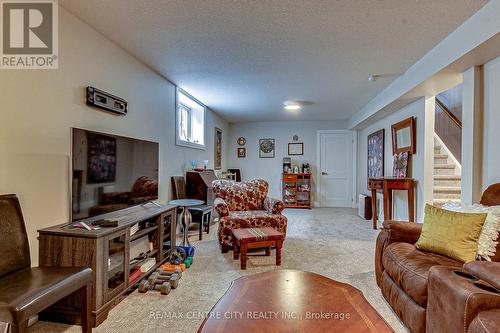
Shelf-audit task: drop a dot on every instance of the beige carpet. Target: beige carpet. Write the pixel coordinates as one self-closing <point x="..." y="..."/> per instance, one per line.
<point x="332" y="242"/>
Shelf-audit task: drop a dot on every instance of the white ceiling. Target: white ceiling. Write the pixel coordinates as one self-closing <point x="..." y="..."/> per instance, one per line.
<point x="244" y="58"/>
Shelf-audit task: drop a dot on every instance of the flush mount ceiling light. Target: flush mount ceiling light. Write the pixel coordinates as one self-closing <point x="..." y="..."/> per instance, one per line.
<point x="295" y="105"/>
<point x="292" y="107"/>
<point x="375" y="77"/>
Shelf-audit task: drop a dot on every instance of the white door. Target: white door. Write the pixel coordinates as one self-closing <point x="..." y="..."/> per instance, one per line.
<point x="336" y="169"/>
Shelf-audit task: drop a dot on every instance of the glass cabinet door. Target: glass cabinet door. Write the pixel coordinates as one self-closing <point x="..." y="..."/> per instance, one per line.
<point x="115" y="274"/>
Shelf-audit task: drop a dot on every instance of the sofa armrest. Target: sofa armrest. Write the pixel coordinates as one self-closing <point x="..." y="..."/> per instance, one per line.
<point x="402" y="232"/>
<point x="221" y="207"/>
<point x="486" y="271"/>
<point x="273" y="206"/>
<point x="393" y="232"/>
<point x="454" y="301"/>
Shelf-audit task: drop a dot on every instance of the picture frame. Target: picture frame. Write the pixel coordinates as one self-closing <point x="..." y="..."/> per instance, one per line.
<point x="217" y="148"/>
<point x="241" y="152"/>
<point x="404" y="136"/>
<point x="267" y="148"/>
<point x="296" y="148"/>
<point x="375" y="154"/>
<point x="101" y="152"/>
<point x="401" y="165"/>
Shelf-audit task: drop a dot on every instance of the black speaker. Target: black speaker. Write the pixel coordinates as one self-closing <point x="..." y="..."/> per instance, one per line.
<point x="106" y="101"/>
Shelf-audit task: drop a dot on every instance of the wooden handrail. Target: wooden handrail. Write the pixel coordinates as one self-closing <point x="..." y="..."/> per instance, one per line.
<point x="447" y="112"/>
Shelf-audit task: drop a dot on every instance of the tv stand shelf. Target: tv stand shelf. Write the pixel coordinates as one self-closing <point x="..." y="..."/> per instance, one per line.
<point x="107" y="252"/>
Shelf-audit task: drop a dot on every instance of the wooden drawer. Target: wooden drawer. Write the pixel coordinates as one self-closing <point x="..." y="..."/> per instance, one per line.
<point x="289" y="178"/>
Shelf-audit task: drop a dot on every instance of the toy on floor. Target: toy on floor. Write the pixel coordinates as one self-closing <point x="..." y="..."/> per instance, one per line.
<point x="188" y="262"/>
<point x="177" y="256"/>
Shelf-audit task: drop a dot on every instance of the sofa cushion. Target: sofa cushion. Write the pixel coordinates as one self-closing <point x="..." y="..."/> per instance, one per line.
<point x="409" y="268"/>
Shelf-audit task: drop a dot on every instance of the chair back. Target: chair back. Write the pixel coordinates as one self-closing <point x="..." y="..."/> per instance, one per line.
<point x="14" y="246"/>
<point x="237" y="172"/>
<point x="241" y="196"/>
<point x="178" y="187"/>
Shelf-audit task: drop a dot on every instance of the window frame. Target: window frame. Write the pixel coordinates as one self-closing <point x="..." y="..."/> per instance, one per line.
<point x="178" y="140"/>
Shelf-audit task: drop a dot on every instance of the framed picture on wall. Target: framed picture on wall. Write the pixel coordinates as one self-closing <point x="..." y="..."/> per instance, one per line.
<point x="296" y="148"/>
<point x="217" y="148"/>
<point x="375" y="167"/>
<point x="400" y="166"/>
<point x="267" y="148"/>
<point x="242" y="152"/>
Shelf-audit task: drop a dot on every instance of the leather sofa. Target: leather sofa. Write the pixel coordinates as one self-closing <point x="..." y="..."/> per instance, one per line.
<point x="245" y="205"/>
<point x="433" y="293"/>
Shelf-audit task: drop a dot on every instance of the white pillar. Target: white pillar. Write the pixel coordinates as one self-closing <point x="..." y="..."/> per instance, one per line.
<point x="472" y="134"/>
<point x="428" y="180"/>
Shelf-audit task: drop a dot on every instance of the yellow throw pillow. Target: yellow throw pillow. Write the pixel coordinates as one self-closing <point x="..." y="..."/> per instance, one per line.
<point x="451" y="234"/>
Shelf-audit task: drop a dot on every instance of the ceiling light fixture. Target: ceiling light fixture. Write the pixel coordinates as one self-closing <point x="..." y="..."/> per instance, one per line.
<point x="292" y="107"/>
<point x="375" y="77"/>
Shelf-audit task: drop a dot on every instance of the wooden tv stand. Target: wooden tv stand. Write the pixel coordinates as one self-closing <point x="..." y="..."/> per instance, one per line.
<point x="107" y="252"/>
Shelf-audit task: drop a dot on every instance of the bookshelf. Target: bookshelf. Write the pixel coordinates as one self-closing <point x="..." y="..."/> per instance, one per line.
<point x="296" y="190"/>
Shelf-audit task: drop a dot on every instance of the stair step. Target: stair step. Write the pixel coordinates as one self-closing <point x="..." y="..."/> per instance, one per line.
<point x="447" y="189"/>
<point x="447" y="177"/>
<point x="441" y="156"/>
<point x="441" y="202"/>
<point x="444" y="166"/>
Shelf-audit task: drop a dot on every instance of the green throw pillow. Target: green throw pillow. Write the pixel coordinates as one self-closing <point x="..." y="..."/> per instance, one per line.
<point x="451" y="234"/>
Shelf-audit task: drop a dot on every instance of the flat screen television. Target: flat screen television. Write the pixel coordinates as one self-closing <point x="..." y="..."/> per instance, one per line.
<point x="111" y="172"/>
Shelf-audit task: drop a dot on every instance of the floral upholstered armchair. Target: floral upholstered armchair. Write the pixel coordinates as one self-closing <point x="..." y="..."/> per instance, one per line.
<point x="245" y="205"/>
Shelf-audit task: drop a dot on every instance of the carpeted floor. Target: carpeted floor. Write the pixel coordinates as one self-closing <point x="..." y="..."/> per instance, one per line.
<point x="333" y="242"/>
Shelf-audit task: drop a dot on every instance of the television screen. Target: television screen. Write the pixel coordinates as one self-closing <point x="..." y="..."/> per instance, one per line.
<point x="111" y="172"/>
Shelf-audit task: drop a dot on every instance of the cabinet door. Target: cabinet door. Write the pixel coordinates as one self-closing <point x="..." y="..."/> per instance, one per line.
<point x="116" y="256"/>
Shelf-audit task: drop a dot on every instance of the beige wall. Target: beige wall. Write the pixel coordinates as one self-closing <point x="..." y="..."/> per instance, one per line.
<point x="39" y="107"/>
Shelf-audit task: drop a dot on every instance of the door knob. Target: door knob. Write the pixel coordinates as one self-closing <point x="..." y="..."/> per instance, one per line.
<point x="324" y="173"/>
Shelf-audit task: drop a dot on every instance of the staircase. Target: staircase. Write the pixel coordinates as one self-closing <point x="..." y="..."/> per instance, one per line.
<point x="447" y="175"/>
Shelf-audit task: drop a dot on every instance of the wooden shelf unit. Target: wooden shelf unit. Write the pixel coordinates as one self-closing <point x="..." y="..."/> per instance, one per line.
<point x="107" y="252"/>
<point x="296" y="190"/>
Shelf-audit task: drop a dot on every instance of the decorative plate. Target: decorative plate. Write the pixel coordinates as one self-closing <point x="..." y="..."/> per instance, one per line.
<point x="241" y="141"/>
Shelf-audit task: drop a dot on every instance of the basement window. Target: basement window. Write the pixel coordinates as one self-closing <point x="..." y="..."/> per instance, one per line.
<point x="190" y="129"/>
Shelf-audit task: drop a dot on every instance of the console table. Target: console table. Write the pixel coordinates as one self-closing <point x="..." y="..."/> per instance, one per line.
<point x="107" y="251"/>
<point x="387" y="185"/>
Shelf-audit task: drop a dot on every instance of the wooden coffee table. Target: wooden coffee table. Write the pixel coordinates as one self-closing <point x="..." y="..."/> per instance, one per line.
<point x="292" y="301"/>
<point x="256" y="238"/>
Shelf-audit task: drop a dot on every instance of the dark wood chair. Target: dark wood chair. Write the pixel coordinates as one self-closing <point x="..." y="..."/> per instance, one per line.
<point x="237" y="172"/>
<point x="24" y="290"/>
<point x="201" y="214"/>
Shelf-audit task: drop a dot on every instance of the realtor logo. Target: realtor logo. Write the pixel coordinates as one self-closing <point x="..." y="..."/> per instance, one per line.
<point x="29" y="36"/>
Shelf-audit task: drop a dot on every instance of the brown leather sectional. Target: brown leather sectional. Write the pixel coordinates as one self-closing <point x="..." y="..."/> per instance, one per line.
<point x="432" y="293"/>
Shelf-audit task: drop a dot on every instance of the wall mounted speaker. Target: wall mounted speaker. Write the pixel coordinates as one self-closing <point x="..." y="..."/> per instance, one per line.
<point x="106" y="101"/>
